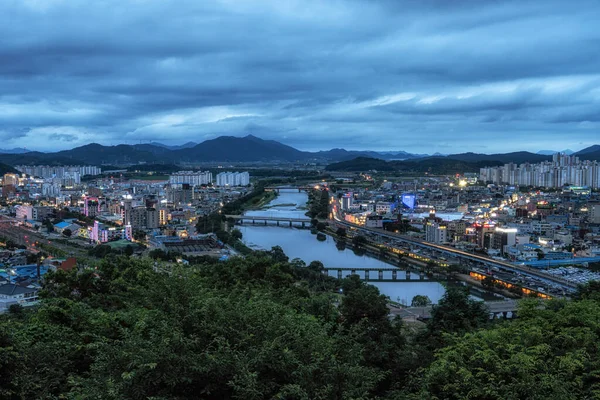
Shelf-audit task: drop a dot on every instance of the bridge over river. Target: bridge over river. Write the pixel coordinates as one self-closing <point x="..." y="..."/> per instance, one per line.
<point x="378" y="274"/>
<point x="264" y="219"/>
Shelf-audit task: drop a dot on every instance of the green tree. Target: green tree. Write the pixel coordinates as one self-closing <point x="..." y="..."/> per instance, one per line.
<point x="455" y="313"/>
<point x="236" y="234"/>
<point x="420" y="301"/>
<point x="67" y="232"/>
<point x="359" y="241"/>
<point x="363" y="301"/>
<point x="129" y="250"/>
<point x="341" y="232"/>
<point x="549" y="353"/>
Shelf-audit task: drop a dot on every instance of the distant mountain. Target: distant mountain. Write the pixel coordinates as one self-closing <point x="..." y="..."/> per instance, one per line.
<point x="231" y="148"/>
<point x="342" y="154"/>
<point x="518" y="157"/>
<point x="252" y="149"/>
<point x="552" y="152"/>
<point x="361" y="164"/>
<point x="592" y="149"/>
<point x="187" y="145"/>
<point x="16" y="150"/>
<point x="6" y="169"/>
<point x="433" y="165"/>
<point x="98" y="154"/>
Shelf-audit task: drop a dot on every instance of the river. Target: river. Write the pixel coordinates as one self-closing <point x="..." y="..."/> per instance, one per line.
<point x="300" y="243"/>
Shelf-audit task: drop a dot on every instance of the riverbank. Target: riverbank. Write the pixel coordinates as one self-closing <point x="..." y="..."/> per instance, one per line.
<point x="410" y="264"/>
<point x="259" y="202"/>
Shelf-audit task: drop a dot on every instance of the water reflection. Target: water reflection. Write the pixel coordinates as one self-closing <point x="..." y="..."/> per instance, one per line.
<point x="300" y="243"/>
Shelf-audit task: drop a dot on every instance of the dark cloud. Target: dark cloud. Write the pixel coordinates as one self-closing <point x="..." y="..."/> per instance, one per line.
<point x="407" y="75"/>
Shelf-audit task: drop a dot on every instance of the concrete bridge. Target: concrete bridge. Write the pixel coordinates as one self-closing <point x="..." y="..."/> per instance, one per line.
<point x="376" y="274"/>
<point x="279" y="220"/>
<point x="278" y="188"/>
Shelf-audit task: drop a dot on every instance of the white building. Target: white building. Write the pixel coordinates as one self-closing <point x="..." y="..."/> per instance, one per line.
<point x="100" y="233"/>
<point x="192" y="178"/>
<point x="562" y="170"/>
<point x="384" y="207"/>
<point x="69" y="172"/>
<point x="347" y="201"/>
<point x="436" y="233"/>
<point x="233" y="179"/>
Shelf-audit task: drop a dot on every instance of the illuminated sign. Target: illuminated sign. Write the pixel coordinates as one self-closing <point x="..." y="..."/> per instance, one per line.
<point x="409" y="200"/>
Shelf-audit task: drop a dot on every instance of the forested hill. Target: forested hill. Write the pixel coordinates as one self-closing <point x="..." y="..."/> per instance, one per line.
<point x="267" y="328"/>
<point x="5" y="169"/>
<point x="433" y="165"/>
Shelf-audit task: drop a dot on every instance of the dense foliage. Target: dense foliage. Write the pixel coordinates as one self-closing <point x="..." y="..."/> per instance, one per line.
<point x="265" y="327"/>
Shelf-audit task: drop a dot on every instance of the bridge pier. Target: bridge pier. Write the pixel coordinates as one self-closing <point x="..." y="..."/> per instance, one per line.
<point x="277" y="222"/>
<point x="366" y="275"/>
<point x="353" y="272"/>
<point x="339" y="273"/>
<point x="302" y="224"/>
<point x="408" y="275"/>
<point x="380" y="275"/>
<point x="253" y="221"/>
<point x="395" y="275"/>
<point x="291" y="224"/>
<point x="265" y="222"/>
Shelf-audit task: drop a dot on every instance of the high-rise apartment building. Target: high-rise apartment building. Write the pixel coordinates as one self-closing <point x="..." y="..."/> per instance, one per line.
<point x="436" y="233"/>
<point x="562" y="170"/>
<point x="191" y="178"/>
<point x="233" y="179"/>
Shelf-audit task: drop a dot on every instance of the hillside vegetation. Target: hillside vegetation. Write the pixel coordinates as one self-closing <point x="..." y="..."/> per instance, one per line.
<point x="265" y="327"/>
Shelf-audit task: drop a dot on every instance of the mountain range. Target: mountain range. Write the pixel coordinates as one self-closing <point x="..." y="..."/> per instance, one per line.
<point x="248" y="149"/>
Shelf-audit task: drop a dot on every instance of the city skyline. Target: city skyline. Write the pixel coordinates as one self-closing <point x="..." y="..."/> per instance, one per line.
<point x="420" y="77"/>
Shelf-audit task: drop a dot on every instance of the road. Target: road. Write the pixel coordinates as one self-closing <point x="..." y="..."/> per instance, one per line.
<point x="455" y="252"/>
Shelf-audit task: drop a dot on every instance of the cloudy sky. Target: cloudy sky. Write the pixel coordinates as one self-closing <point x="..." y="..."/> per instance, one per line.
<point x="420" y="76"/>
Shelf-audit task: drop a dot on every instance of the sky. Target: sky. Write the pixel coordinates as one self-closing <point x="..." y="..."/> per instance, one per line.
<point x="421" y="76"/>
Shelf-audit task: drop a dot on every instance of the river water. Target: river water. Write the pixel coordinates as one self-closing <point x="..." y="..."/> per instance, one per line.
<point x="300" y="243"/>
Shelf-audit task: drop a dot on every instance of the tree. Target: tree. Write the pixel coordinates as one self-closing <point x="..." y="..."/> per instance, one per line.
<point x="236" y="234"/>
<point x="139" y="235"/>
<point x="546" y="353"/>
<point x="321" y="226"/>
<point x="359" y="241"/>
<point x="129" y="250"/>
<point x="49" y="227"/>
<point x="341" y="232"/>
<point x="588" y="291"/>
<point x="420" y="301"/>
<point x="364" y="302"/>
<point x="67" y="232"/>
<point x="540" y="254"/>
<point x="456" y="313"/>
<point x="316" y="266"/>
<point x="278" y="254"/>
